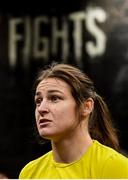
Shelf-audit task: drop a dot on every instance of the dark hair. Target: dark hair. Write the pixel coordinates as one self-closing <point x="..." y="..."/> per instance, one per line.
<point x="82" y="87"/>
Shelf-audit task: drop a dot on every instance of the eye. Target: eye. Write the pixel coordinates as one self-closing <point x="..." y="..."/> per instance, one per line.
<point x="38" y="101"/>
<point x="55" y="98"/>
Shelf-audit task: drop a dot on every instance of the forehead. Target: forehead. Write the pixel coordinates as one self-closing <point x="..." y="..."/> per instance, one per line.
<point x="53" y="84"/>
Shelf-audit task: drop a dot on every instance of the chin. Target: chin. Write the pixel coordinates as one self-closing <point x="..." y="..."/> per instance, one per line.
<point x="45" y="135"/>
<point x="49" y="136"/>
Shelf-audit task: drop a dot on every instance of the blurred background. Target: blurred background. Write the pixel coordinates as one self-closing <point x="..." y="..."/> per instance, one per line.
<point x="91" y="34"/>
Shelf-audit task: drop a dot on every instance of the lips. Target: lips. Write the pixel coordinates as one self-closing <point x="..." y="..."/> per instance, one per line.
<point x="44" y="122"/>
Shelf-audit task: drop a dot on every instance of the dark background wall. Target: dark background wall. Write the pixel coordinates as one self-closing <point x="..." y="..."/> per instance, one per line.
<point x="92" y="35"/>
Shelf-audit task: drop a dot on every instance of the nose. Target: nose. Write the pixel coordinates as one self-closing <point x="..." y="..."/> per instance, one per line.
<point x="43" y="108"/>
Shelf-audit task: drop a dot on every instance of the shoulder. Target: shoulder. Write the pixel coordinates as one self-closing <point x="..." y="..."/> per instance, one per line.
<point x="116" y="166"/>
<point x="37" y="161"/>
<point x="113" y="163"/>
<point x="107" y="152"/>
<point x="35" y="164"/>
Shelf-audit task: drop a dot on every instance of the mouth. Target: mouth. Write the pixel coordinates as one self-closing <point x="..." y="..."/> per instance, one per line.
<point x="44" y="122"/>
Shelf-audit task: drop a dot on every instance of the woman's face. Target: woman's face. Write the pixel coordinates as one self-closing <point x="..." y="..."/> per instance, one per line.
<point x="55" y="109"/>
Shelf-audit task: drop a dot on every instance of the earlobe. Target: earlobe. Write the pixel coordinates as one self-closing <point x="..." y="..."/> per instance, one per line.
<point x="86" y="112"/>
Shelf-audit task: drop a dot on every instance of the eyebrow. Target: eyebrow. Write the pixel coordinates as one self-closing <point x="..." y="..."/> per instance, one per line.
<point x="49" y="92"/>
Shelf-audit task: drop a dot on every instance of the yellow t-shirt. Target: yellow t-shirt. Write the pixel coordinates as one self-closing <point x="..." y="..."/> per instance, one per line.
<point x="98" y="162"/>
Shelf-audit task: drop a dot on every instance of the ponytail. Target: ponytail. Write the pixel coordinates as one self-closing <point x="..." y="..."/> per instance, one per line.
<point x="100" y="124"/>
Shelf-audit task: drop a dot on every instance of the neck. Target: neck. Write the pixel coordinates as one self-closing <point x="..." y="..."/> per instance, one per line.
<point x="72" y="147"/>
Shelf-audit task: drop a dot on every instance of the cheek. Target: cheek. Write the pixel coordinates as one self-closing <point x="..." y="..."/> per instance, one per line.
<point x="36" y="114"/>
<point x="60" y="113"/>
<point x="69" y="111"/>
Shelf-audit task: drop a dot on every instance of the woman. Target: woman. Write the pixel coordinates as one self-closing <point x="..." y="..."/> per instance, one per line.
<point x="77" y="122"/>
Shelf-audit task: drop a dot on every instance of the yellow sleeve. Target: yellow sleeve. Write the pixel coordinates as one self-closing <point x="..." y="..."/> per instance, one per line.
<point x="26" y="172"/>
<point x="116" y="167"/>
<point x="23" y="174"/>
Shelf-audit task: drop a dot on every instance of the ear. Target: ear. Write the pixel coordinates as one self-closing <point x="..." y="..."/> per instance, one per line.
<point x="88" y="106"/>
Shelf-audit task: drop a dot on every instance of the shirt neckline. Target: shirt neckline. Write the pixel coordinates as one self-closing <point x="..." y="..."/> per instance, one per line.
<point x="57" y="164"/>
